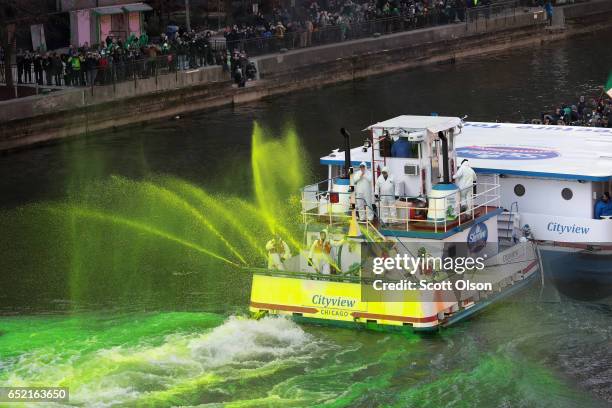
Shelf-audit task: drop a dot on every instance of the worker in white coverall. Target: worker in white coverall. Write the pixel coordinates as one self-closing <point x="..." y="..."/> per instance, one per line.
<point x="278" y="251"/>
<point x="465" y="177"/>
<point x="385" y="193"/>
<point x="320" y="253"/>
<point x="362" y="180"/>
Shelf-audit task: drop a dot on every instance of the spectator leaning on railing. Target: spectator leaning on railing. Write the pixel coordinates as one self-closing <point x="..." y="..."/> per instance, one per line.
<point x="115" y="60"/>
<point x="339" y="21"/>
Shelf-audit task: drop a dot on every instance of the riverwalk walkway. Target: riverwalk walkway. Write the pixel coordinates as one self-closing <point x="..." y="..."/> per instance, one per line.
<point x="67" y="112"/>
<point x="477" y="20"/>
<point x="143" y="67"/>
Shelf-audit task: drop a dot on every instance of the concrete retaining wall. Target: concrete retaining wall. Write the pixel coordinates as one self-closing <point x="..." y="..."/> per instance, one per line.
<point x="272" y="65"/>
<point x="580" y="10"/>
<point x="71" y="99"/>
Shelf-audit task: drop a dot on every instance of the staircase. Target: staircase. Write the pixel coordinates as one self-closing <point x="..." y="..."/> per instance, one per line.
<point x="508" y="227"/>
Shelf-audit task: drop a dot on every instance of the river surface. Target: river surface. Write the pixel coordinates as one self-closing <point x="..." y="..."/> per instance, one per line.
<point x="132" y="309"/>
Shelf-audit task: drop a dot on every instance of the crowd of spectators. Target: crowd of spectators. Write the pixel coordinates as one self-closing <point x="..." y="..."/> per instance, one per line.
<point x="596" y="112"/>
<point x="118" y="59"/>
<point x="313" y="22"/>
<point x="339" y="20"/>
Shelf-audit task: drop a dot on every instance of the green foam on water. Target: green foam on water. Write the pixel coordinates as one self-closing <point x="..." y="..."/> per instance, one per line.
<point x="497" y="380"/>
<point x="146" y="359"/>
<point x="203" y="359"/>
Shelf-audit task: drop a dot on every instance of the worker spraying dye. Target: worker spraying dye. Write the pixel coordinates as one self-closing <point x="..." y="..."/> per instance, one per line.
<point x="278" y="252"/>
<point x="320" y="253"/>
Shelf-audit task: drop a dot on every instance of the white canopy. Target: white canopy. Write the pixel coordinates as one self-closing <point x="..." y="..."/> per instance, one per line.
<point x="433" y="124"/>
<point x="565" y="152"/>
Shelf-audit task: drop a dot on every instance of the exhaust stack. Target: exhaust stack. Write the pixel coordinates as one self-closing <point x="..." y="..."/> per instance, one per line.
<point x="347" y="152"/>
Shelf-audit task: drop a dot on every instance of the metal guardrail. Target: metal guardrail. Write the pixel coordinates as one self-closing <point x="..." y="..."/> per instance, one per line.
<point x="387" y="25"/>
<point x="340" y="277"/>
<point x="469" y="207"/>
<point x="108" y="74"/>
<point x="144" y="68"/>
<point x="317" y="205"/>
<point x="505" y="9"/>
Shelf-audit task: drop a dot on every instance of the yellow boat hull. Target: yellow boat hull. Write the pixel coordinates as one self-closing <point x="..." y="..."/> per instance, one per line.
<point x="340" y="302"/>
<point x="324" y="300"/>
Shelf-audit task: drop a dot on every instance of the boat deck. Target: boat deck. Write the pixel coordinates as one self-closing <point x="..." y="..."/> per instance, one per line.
<point x="409" y="227"/>
<point x="424" y="225"/>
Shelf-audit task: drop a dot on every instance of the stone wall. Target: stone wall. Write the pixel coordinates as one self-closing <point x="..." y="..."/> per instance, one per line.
<point x="71" y="99"/>
<point x="420" y="40"/>
<point x="580" y="10"/>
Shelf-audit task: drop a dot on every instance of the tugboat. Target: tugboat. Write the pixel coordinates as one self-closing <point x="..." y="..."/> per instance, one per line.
<point x="352" y="227"/>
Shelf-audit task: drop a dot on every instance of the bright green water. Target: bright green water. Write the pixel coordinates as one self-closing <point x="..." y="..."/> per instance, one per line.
<point x="203" y="359"/>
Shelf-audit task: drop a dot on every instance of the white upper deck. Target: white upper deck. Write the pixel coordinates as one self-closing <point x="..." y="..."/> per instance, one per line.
<point x="562" y="152"/>
<point x="557" y="152"/>
<point x="410" y="122"/>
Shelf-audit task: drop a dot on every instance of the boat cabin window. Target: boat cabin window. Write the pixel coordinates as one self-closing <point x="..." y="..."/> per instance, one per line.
<point x="567" y="193"/>
<point x="519" y="190"/>
<point x="401" y="147"/>
<point x="336" y="171"/>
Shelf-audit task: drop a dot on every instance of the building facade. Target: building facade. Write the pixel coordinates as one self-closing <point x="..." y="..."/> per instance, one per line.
<point x="92" y="21"/>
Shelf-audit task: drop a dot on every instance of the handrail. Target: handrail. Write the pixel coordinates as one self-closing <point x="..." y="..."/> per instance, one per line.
<point x="466" y="208"/>
<point x="376" y="231"/>
<point x="363" y="28"/>
<point x="106" y="73"/>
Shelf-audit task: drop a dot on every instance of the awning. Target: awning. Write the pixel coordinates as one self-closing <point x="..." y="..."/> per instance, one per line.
<point x="140" y="7"/>
<point x="126" y="8"/>
<point x="433" y="124"/>
<point x="104" y="11"/>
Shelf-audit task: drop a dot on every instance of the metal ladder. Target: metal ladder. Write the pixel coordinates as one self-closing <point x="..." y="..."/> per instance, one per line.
<point x="507" y="225"/>
<point x="376" y="148"/>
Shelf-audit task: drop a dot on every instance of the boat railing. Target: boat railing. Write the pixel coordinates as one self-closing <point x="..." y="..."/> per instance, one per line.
<point x="320" y="201"/>
<point x="405" y="215"/>
<point x="409" y="213"/>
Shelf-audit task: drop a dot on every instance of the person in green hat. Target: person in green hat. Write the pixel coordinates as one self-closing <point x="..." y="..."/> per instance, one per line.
<point x="144" y="40"/>
<point x="130" y="40"/>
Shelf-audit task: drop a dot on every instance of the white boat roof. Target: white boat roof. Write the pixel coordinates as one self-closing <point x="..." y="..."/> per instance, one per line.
<point x="562" y="152"/>
<point x="432" y="123"/>
<point x="559" y="152"/>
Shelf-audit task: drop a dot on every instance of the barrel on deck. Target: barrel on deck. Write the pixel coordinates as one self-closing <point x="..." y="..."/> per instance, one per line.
<point x="443" y="202"/>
